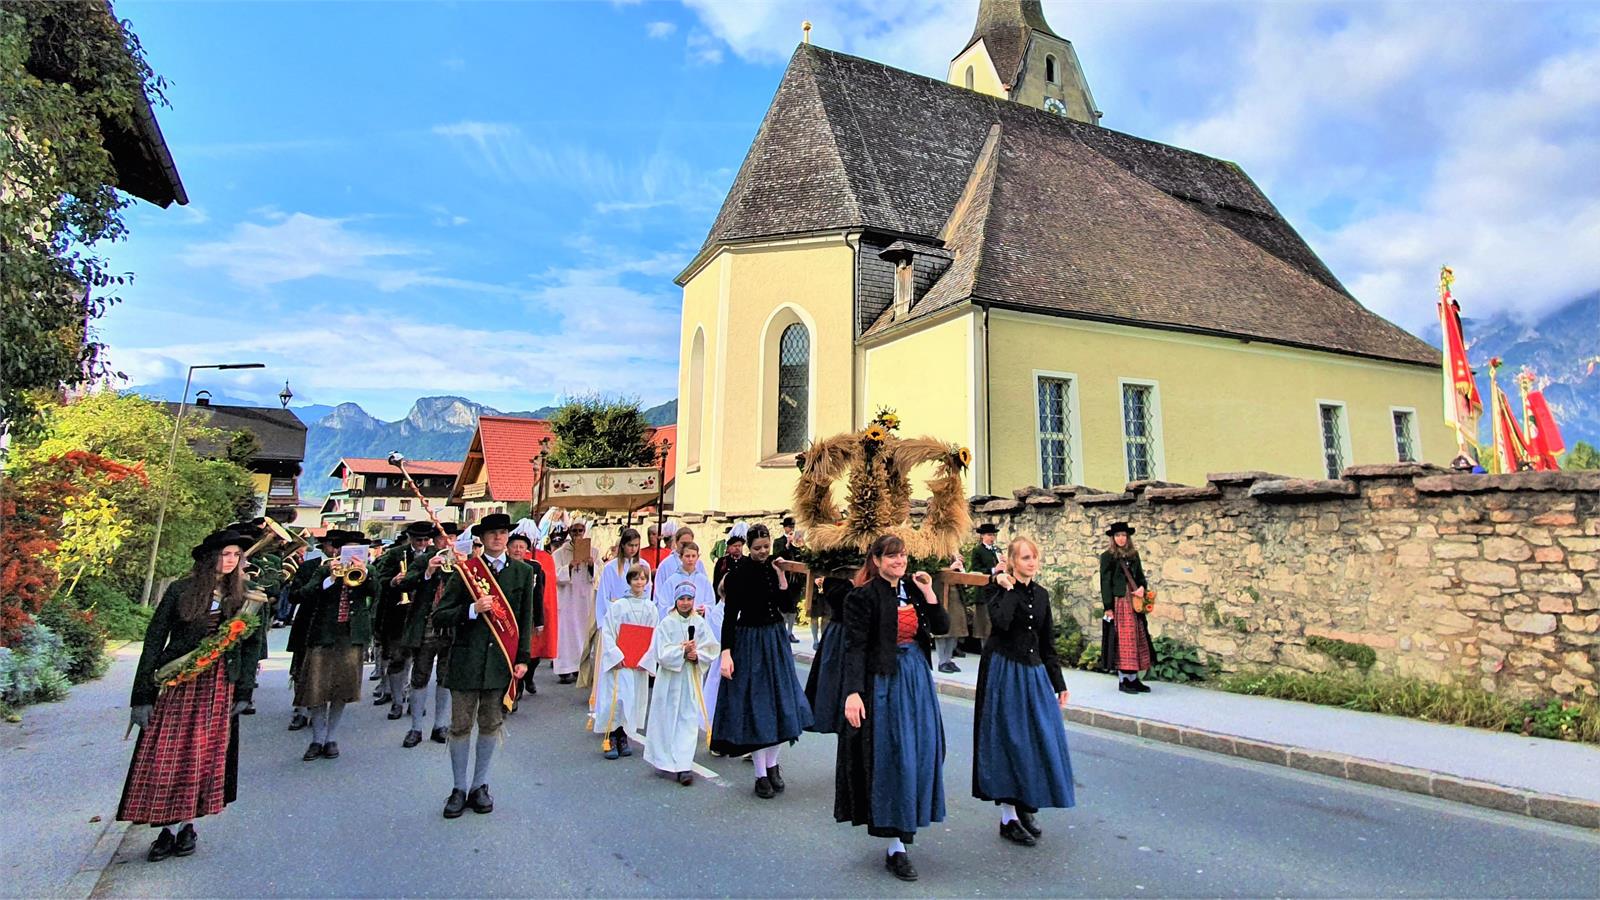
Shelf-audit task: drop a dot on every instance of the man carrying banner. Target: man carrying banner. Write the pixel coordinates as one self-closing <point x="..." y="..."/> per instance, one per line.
<point x="490" y="605"/>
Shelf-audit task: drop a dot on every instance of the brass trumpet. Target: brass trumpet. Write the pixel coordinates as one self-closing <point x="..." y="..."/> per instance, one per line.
<point x="447" y="564"/>
<point x="352" y="576"/>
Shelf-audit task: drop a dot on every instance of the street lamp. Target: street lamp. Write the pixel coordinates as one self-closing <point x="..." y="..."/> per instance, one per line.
<point x="172" y="453"/>
<point x="285" y="395"/>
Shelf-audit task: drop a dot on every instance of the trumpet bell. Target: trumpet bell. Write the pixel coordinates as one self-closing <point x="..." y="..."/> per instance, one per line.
<point x="354" y="577"/>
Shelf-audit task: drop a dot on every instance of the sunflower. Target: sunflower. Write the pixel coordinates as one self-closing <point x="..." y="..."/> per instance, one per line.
<point x="963" y="456"/>
<point x="876" y="433"/>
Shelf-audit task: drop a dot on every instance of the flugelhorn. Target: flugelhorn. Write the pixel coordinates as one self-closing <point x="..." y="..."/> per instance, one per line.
<point x="352" y="576"/>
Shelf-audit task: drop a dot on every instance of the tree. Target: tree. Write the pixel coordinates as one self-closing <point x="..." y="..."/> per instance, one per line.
<point x="595" y="433"/>
<point x="205" y="493"/>
<point x="1583" y="455"/>
<point x="67" y="69"/>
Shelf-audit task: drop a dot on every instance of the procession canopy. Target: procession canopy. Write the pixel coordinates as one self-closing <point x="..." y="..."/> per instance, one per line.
<point x="601" y="490"/>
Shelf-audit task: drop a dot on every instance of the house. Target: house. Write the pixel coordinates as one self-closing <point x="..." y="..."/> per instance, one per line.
<point x="274" y="461"/>
<point x="499" y="469"/>
<point x="373" y="497"/>
<point x="1074" y="304"/>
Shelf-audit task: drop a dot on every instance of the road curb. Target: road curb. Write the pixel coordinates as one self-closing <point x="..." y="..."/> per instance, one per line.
<point x="1503" y="798"/>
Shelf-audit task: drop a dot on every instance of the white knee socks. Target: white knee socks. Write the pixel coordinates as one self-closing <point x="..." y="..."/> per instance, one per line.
<point x="1008" y="813"/>
<point x="896" y="846"/>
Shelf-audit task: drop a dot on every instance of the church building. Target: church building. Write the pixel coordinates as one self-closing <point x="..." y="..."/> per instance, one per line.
<point x="1075" y="304"/>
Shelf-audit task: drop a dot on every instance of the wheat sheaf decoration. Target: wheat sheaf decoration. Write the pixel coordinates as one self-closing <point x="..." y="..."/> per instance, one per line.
<point x="877" y="466"/>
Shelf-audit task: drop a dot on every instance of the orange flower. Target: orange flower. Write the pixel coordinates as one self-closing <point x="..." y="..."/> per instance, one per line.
<point x="237" y="627"/>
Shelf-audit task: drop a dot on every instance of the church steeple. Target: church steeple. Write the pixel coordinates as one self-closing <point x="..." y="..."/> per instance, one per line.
<point x="1013" y="53"/>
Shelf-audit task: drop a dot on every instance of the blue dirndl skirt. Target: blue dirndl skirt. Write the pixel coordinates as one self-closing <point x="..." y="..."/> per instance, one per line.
<point x="1022" y="756"/>
<point x="825" y="684"/>
<point x="907" y="746"/>
<point x="762" y="704"/>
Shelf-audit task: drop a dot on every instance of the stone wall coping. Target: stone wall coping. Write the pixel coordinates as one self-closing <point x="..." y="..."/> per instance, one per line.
<point x="1139" y="487"/>
<point x="1046" y="499"/>
<point x="1392" y="470"/>
<point x="1106" y="499"/>
<point x="1182" y="494"/>
<point x="1245" y="477"/>
<point x="1512" y="481"/>
<point x="1303" y="489"/>
<point x="1023" y="493"/>
<point x="1001" y="506"/>
<point x="1068" y="490"/>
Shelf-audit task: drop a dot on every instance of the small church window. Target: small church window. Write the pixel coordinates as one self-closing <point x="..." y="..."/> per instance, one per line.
<point x="1055" y="431"/>
<point x="971" y="77"/>
<point x="794" y="388"/>
<point x="1333" y="438"/>
<point x="1138" y="430"/>
<point x="1050" y="70"/>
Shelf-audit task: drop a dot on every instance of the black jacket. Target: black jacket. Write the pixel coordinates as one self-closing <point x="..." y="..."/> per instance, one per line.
<point x="168" y="637"/>
<point x="1113" y="583"/>
<point x="1022" y="628"/>
<point x="751" y="598"/>
<point x="871" y="621"/>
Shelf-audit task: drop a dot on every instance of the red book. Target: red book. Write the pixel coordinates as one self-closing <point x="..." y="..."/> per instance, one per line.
<point x="634" y="642"/>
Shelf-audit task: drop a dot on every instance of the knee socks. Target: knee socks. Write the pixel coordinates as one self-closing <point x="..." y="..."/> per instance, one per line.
<point x="335" y="713"/>
<point x="1127" y="676"/>
<point x="480" y="768"/>
<point x="441" y="706"/>
<point x="397" y="687"/>
<point x="1008" y="813"/>
<point x="946" y="648"/>
<point x="460" y="748"/>
<point x="765" y="758"/>
<point x="896" y="846"/>
<point x="319" y="724"/>
<point x="419" y="707"/>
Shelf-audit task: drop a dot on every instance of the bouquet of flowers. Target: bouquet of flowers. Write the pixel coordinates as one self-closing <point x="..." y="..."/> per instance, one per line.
<point x="1146" y="603"/>
<point x="196" y="662"/>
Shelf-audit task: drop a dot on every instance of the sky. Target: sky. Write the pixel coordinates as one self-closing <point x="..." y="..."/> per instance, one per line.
<point x="491" y="199"/>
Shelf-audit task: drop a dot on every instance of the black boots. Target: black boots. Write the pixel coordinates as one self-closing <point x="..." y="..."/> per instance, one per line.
<point x="776" y="779"/>
<point x="161" y="847"/>
<point x="184" y="845"/>
<point x="1030" y="823"/>
<point x="456" y="805"/>
<point x="479" y="799"/>
<point x="764" y="788"/>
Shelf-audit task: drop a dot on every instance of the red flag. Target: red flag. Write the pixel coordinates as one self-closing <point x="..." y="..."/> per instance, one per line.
<point x="1516" y="454"/>
<point x="1544" y="438"/>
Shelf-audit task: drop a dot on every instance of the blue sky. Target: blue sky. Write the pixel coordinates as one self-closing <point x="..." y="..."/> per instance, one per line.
<point x="491" y="198"/>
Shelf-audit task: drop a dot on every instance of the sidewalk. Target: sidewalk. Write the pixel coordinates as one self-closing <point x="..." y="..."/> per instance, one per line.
<point x="63" y="767"/>
<point x="1555" y="780"/>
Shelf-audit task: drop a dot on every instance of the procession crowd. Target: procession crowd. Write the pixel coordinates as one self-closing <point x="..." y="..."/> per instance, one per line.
<point x="665" y="646"/>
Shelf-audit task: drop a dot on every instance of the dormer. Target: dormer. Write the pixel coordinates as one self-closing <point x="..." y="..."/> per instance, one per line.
<point x="1014" y="54"/>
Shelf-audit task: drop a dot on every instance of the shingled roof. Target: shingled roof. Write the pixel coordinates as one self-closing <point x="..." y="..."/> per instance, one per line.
<point x="1004" y="26"/>
<point x="281" y="433"/>
<point x="1073" y="219"/>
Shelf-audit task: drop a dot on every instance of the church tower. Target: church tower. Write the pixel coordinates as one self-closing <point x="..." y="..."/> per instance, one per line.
<point x="1014" y="54"/>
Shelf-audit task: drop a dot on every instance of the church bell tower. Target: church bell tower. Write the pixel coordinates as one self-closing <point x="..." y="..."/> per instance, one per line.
<point x="1014" y="54"/>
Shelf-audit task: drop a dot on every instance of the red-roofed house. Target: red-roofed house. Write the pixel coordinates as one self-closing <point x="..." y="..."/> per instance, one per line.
<point x="371" y="490"/>
<point x="499" y="469"/>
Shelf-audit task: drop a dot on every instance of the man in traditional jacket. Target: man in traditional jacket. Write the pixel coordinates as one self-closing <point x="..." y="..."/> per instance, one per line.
<point x="394" y="607"/>
<point x="426" y="647"/>
<point x="985" y="559"/>
<point x="479" y="672"/>
<point x="327" y="546"/>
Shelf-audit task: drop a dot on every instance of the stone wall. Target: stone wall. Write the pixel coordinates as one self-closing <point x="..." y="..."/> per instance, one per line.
<point x="1495" y="578"/>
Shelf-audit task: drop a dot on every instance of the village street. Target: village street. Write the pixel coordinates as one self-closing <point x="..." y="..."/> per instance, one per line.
<point x="1152" y="819"/>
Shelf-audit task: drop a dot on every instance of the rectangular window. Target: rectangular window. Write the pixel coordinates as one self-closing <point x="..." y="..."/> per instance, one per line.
<point x="377" y="505"/>
<point x="1055" y="431"/>
<point x="382" y="482"/>
<point x="1405" y="435"/>
<point x="1138" y="430"/>
<point x="405" y="506"/>
<point x="1333" y="432"/>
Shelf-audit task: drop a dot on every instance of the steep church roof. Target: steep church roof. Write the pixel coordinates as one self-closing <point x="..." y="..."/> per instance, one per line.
<point x="1004" y="26"/>
<point x="1066" y="218"/>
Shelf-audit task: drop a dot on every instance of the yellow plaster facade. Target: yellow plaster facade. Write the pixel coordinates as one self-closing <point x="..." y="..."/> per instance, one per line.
<point x="929" y="377"/>
<point x="984" y="79"/>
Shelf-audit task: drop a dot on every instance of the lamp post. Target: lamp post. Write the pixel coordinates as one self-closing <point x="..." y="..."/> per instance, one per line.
<point x="172" y="453"/>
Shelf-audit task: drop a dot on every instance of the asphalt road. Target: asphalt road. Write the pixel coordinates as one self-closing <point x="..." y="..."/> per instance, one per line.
<point x="1152" y="820"/>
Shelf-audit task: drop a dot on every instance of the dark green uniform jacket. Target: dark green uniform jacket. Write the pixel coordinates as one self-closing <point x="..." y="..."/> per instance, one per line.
<point x="422" y="596"/>
<point x="168" y="637"/>
<point x="1113" y="583"/>
<point x="322" y="606"/>
<point x="476" y="664"/>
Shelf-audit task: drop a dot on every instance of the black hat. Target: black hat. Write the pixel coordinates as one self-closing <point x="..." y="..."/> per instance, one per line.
<point x="492" y="522"/>
<point x="988" y="528"/>
<point x="519" y="536"/>
<point x="788" y="522"/>
<point x="419" y="530"/>
<point x="217" y="540"/>
<point x="450" y="528"/>
<point x="338" y="537"/>
<point x="736" y="539"/>
<point x="1121" y="527"/>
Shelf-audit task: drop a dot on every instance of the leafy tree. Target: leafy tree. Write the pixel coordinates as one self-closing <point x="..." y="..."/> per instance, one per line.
<point x="1583" y="455"/>
<point x="132" y="431"/>
<point x="68" y="69"/>
<point x="596" y="433"/>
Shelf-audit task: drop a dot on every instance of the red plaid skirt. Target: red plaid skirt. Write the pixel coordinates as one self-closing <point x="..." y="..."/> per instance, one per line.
<point x="185" y="762"/>
<point x="1133" y="637"/>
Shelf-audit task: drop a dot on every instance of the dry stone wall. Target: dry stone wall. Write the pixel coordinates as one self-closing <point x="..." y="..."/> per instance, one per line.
<point x="1494" y="579"/>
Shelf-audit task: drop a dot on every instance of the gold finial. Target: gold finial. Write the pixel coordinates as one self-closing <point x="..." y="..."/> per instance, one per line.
<point x="805" y="32"/>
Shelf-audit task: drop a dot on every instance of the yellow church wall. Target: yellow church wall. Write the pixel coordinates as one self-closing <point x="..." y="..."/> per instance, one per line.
<point x="742" y="299"/>
<point x="927" y="376"/>
<point x="985" y="80"/>
<point x="1222" y="405"/>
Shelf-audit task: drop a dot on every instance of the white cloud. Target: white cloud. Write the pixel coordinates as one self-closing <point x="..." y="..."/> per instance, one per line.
<point x="703" y="49"/>
<point x="659" y="30"/>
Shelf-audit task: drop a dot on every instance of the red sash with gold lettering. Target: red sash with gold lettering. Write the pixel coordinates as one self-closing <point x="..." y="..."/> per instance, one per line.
<point x="501" y="620"/>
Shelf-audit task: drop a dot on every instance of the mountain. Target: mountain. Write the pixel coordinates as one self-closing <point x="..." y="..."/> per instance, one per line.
<point x="1558" y="346"/>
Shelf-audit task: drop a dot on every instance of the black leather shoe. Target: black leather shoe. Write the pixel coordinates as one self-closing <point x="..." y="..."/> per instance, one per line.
<point x="413" y="738"/>
<point x="381" y="699"/>
<point x="1030" y="823"/>
<point x="1016" y="834"/>
<point x="375" y="675"/>
<point x="248" y="710"/>
<point x="569" y="678"/>
<point x="298" y="722"/>
<point x="479" y="799"/>
<point x="623" y="747"/>
<point x="313" y="752"/>
<point x="776" y="779"/>
<point x="764" y="788"/>
<point x="330" y="750"/>
<point x="438" y="736"/>
<point x="456" y="805"/>
<point x="1140" y="686"/>
<point x="1127" y="687"/>
<point x="395" y="712"/>
<point x="161" y="847"/>
<point x="686" y="778"/>
<point x="184" y="845"/>
<point x="949" y="668"/>
<point x="900" y="865"/>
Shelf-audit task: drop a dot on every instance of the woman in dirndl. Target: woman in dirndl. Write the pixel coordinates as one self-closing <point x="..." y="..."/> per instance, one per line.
<point x="760" y="705"/>
<point x="186" y="761"/>
<point x="1125" y="646"/>
<point x="890" y="769"/>
<point x="1019" y="743"/>
<point x="825" y="683"/>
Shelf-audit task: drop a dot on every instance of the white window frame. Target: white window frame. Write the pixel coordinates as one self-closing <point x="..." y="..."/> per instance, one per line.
<point x="1074" y="422"/>
<point x="1415" y="432"/>
<point x="1158" y="456"/>
<point x="1346" y="459"/>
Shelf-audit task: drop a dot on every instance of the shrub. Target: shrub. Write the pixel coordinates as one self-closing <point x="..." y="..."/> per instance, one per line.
<point x="122" y="617"/>
<point x="81" y="636"/>
<point x="1362" y="656"/>
<point x="1090" y="660"/>
<point x="34" y="669"/>
<point x="1177" y="660"/>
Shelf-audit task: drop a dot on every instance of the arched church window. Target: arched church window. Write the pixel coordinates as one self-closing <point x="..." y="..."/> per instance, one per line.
<point x="794" y="388"/>
<point x="971" y="76"/>
<point x="1050" y="69"/>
